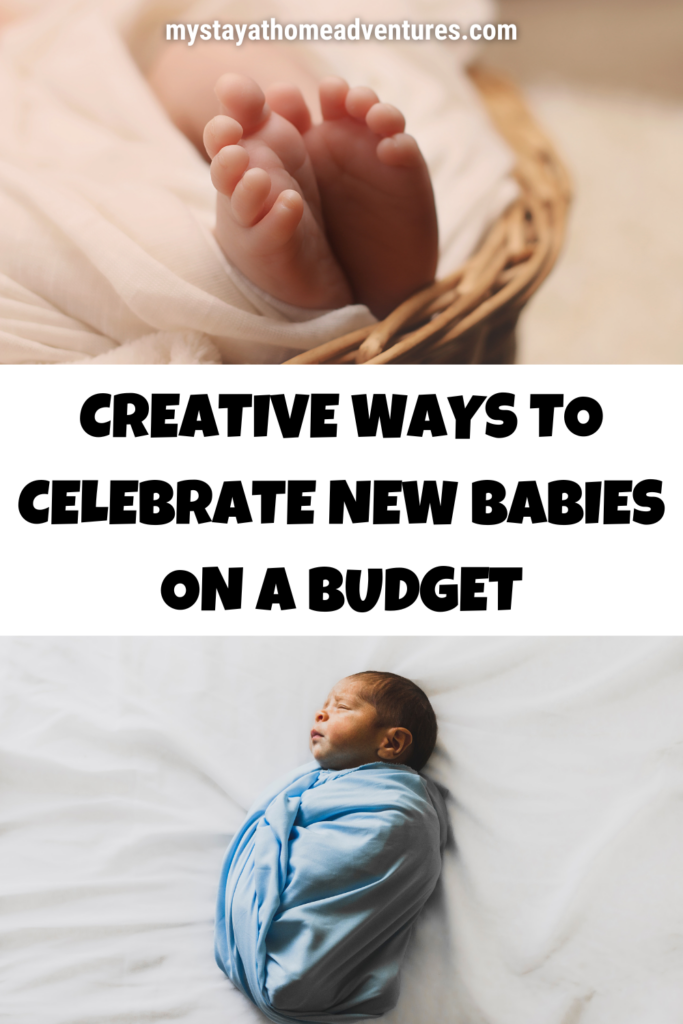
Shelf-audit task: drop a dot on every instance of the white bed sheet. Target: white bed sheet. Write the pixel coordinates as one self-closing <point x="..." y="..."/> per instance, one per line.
<point x="127" y="764"/>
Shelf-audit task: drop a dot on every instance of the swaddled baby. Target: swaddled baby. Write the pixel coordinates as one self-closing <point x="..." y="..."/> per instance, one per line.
<point x="322" y="884"/>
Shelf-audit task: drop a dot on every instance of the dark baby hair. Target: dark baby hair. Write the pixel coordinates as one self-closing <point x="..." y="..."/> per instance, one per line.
<point x="400" y="702"/>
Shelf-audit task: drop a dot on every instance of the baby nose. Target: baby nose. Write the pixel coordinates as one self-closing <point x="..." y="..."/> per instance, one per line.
<point x="321" y="715"/>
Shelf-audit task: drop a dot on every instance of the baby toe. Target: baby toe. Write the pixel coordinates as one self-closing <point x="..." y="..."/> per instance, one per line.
<point x="333" y="92"/>
<point x="221" y="131"/>
<point x="399" y="151"/>
<point x="250" y="195"/>
<point x="241" y="98"/>
<point x="287" y="101"/>
<point x="227" y="167"/>
<point x="385" y="119"/>
<point x="279" y="224"/>
<point x="359" y="100"/>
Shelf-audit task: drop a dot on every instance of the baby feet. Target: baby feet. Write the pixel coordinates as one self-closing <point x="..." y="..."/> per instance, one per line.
<point x="268" y="218"/>
<point x="376" y="195"/>
<point x="320" y="215"/>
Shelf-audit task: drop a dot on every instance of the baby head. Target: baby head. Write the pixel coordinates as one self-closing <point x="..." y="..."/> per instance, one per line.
<point x="374" y="716"/>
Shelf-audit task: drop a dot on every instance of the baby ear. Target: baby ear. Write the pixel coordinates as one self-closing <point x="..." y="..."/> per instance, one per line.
<point x="395" y="744"/>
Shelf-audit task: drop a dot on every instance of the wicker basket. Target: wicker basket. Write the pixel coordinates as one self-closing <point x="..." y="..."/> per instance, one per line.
<point x="471" y="315"/>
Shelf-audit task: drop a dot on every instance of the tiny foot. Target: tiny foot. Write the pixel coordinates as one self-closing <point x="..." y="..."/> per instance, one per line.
<point x="268" y="217"/>
<point x="376" y="194"/>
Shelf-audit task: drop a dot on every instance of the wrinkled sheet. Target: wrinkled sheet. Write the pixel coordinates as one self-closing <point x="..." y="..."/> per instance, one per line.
<point x="127" y="766"/>
<point x="321" y="887"/>
<point x="107" y="251"/>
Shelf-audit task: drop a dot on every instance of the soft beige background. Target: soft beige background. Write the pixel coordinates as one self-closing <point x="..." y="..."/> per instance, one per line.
<point x="606" y="79"/>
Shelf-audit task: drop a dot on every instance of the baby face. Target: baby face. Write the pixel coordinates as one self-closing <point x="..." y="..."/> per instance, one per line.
<point x="345" y="733"/>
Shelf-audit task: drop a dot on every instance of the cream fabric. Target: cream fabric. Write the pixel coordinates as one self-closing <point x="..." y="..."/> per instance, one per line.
<point x="107" y="210"/>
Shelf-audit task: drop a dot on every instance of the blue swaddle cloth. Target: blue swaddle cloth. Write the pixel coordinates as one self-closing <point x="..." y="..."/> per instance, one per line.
<point x="320" y="888"/>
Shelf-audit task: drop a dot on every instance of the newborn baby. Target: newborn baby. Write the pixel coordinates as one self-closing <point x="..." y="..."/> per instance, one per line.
<point x="322" y="884"/>
<point x="317" y="215"/>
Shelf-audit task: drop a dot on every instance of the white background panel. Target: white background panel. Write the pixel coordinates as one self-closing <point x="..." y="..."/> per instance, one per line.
<point x="98" y="578"/>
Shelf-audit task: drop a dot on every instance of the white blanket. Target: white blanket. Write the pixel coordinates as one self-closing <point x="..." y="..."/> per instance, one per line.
<point x="128" y="764"/>
<point x="106" y="249"/>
